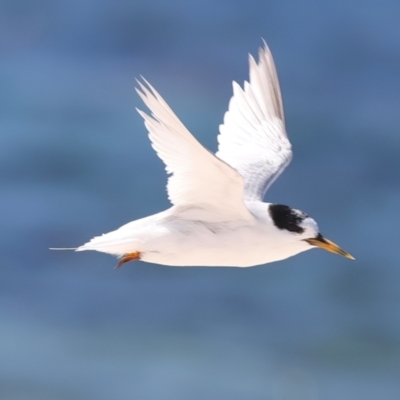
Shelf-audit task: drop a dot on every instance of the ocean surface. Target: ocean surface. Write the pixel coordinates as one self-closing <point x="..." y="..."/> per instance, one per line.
<point x="75" y="162"/>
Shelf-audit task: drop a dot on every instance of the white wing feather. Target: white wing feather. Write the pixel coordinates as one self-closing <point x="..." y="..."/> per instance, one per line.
<point x="252" y="138"/>
<point x="198" y="177"/>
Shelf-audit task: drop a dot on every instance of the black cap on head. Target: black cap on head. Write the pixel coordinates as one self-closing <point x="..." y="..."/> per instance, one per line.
<point x="287" y="218"/>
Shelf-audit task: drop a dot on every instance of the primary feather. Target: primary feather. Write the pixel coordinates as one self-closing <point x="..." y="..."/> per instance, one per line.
<point x="252" y="138"/>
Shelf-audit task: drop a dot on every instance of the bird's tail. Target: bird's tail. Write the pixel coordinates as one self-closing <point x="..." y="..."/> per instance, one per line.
<point x="112" y="243"/>
<point x="62" y="248"/>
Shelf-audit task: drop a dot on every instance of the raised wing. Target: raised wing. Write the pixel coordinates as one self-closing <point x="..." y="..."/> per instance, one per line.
<point x="198" y="178"/>
<point x="252" y="138"/>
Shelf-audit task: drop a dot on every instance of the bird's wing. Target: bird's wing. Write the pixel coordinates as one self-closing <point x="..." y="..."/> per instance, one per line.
<point x="198" y="178"/>
<point x="252" y="138"/>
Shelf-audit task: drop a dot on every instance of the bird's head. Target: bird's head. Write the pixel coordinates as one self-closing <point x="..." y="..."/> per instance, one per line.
<point x="304" y="229"/>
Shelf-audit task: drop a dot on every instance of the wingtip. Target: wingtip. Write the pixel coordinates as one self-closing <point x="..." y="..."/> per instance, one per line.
<point x="264" y="43"/>
<point x="144" y="83"/>
<point x="264" y="46"/>
<point x="141" y="88"/>
<point x="264" y="50"/>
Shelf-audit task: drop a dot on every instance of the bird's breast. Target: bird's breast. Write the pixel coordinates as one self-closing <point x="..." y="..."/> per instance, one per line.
<point x="199" y="243"/>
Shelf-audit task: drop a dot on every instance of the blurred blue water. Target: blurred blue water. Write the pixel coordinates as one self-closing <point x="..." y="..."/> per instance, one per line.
<point x="75" y="161"/>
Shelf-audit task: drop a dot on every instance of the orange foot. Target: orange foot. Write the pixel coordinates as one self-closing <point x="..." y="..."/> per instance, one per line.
<point x="128" y="257"/>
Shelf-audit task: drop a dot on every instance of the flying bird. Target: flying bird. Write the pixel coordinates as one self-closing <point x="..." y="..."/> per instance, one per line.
<point x="218" y="217"/>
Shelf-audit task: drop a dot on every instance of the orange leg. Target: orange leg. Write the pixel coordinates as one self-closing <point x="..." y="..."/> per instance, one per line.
<point x="128" y="257"/>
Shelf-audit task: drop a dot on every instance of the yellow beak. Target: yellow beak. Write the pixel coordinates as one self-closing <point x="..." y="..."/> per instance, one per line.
<point x="326" y="244"/>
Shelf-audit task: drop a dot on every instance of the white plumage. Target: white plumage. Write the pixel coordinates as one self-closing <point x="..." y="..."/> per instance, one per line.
<point x="217" y="216"/>
<point x="252" y="138"/>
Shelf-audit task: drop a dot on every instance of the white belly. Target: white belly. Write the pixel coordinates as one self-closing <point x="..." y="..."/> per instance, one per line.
<point x="199" y="244"/>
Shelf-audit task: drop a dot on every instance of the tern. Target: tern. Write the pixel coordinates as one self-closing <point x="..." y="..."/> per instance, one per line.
<point x="218" y="217"/>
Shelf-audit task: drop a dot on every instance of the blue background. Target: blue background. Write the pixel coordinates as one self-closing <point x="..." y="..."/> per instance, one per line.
<point x="75" y="161"/>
